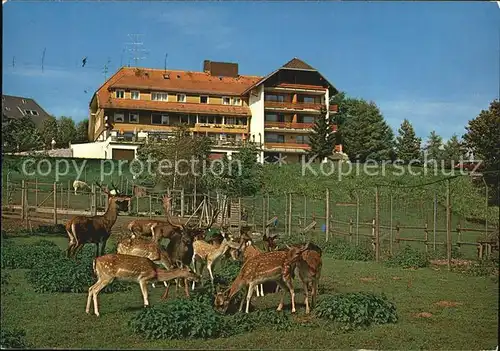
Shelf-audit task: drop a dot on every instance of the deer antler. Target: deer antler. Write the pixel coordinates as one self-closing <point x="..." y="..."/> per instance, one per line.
<point x="214" y="216"/>
<point x="102" y="188"/>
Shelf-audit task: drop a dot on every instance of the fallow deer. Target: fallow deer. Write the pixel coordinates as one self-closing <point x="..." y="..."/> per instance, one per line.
<point x="309" y="272"/>
<point x="269" y="242"/>
<point x="249" y="250"/>
<point x="93" y="229"/>
<point x="79" y="184"/>
<point x="164" y="229"/>
<point x="268" y="266"/>
<point x="133" y="268"/>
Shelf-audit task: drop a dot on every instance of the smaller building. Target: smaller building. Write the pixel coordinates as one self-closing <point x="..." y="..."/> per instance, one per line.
<point x="19" y="107"/>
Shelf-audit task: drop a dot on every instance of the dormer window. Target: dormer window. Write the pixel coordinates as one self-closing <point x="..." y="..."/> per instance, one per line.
<point x="226" y="100"/>
<point x="135" y="94"/>
<point x="120" y="94"/>
<point x="181" y="97"/>
<point x="203" y="99"/>
<point x="237" y="101"/>
<point x="155" y="96"/>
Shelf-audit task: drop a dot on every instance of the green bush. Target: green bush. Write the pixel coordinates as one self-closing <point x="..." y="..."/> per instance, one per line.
<point x="67" y="275"/>
<point x="343" y="250"/>
<point x="483" y="268"/>
<point x="240" y="323"/>
<point x="55" y="229"/>
<point x="227" y="272"/>
<point x="178" y="319"/>
<point x="441" y="253"/>
<point x="13" y="339"/>
<point x="29" y="256"/>
<point x="409" y="257"/>
<point x="356" y="310"/>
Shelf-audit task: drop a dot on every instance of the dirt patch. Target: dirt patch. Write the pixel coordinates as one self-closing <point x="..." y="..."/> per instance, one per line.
<point x="423" y="315"/>
<point x="445" y="303"/>
<point x="368" y="279"/>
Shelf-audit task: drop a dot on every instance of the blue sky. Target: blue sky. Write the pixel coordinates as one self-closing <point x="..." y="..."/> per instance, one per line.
<point x="436" y="64"/>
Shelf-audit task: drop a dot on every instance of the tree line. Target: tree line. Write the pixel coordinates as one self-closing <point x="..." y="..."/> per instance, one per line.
<point x="23" y="135"/>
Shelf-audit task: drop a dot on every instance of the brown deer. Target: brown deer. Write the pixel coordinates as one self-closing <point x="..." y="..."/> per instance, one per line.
<point x="133" y="268"/>
<point x="268" y="266"/>
<point x="93" y="229"/>
<point x="142" y="227"/>
<point x="164" y="229"/>
<point x="249" y="251"/>
<point x="269" y="242"/>
<point x="309" y="272"/>
<point x="209" y="254"/>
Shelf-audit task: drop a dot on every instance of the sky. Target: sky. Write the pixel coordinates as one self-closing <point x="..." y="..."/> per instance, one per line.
<point x="433" y="63"/>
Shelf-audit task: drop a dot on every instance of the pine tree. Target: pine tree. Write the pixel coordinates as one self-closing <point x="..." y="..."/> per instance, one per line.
<point x="453" y="152"/>
<point x="407" y="143"/>
<point x="365" y="133"/>
<point x="433" y="148"/>
<point x="322" y="138"/>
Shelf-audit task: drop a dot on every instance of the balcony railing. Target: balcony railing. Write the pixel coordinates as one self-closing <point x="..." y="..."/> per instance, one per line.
<point x="292" y="144"/>
<point x="288" y="125"/>
<point x="292" y="105"/>
<point x="219" y="128"/>
<point x="333" y="108"/>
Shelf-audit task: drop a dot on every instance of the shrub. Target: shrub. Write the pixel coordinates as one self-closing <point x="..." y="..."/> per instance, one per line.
<point x="409" y="257"/>
<point x="240" y="323"/>
<point x="55" y="229"/>
<point x="227" y="272"/>
<point x="29" y="256"/>
<point x="356" y="310"/>
<point x="13" y="339"/>
<point x="178" y="319"/>
<point x="483" y="268"/>
<point x="67" y="275"/>
<point x="343" y="250"/>
<point x="441" y="253"/>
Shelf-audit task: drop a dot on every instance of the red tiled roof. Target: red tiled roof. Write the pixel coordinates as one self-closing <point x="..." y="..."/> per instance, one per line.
<point x="151" y="105"/>
<point x="298" y="64"/>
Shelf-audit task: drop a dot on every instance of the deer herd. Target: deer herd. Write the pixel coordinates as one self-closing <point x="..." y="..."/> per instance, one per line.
<point x="141" y="257"/>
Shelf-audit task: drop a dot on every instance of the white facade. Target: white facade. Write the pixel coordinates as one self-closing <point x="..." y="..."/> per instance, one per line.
<point x="101" y="149"/>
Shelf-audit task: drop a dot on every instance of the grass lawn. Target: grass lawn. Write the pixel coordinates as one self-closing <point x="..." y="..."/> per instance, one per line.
<point x="59" y="320"/>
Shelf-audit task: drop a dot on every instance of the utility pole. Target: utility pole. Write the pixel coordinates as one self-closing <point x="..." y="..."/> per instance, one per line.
<point x="136" y="48"/>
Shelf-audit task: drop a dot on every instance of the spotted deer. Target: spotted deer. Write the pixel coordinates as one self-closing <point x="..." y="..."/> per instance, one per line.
<point x="249" y="250"/>
<point x="93" y="229"/>
<point x="268" y="266"/>
<point x="132" y="268"/>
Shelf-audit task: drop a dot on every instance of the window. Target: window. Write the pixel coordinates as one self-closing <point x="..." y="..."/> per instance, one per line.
<point x="230" y="120"/>
<point x="309" y="99"/>
<point x="133" y="117"/>
<point x="202" y="119"/>
<point x="274" y="117"/>
<point x="120" y="94"/>
<point x="159" y="96"/>
<point x="181" y="97"/>
<point x="157" y="118"/>
<point x="119" y="117"/>
<point x="241" y="121"/>
<point x="186" y="119"/>
<point x="203" y="99"/>
<point x="226" y="100"/>
<point x="302" y="139"/>
<point x="306" y="119"/>
<point x="31" y="112"/>
<point x="136" y="95"/>
<point x="274" y="138"/>
<point x="236" y="101"/>
<point x="274" y="97"/>
<point x="7" y="108"/>
<point x="34" y="113"/>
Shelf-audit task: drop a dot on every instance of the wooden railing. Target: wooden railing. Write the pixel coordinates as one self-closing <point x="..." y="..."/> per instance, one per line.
<point x="292" y="144"/>
<point x="293" y="105"/>
<point x="290" y="125"/>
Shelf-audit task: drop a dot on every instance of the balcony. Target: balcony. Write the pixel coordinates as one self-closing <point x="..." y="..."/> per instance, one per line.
<point x="301" y="106"/>
<point x="292" y="144"/>
<point x="287" y="125"/>
<point x="333" y="108"/>
<point x="220" y="128"/>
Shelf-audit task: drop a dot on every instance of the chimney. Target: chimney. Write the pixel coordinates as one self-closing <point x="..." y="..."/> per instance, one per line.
<point x="220" y="69"/>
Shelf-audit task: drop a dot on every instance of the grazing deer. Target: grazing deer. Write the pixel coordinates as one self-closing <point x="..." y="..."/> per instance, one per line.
<point x="249" y="250"/>
<point x="309" y="272"/>
<point x="78" y="184"/>
<point x="143" y="248"/>
<point x="93" y="229"/>
<point x="209" y="254"/>
<point x="268" y="266"/>
<point x="133" y="268"/>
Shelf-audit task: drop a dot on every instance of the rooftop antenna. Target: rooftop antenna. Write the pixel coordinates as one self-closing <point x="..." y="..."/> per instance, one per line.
<point x="121" y="58"/>
<point x="165" y="65"/>
<point x="105" y="69"/>
<point x="13" y="61"/>
<point x="136" y="48"/>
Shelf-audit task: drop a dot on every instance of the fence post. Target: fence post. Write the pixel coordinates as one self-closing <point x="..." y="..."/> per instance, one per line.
<point x="26" y="206"/>
<point x="36" y="192"/>
<point x="55" y="202"/>
<point x="239" y="215"/>
<point x="357" y="219"/>
<point x="290" y="216"/>
<point x="350" y="230"/>
<point x="23" y="198"/>
<point x="448" y="223"/>
<point x="426" y="237"/>
<point x="435" y="221"/>
<point x="459" y="236"/>
<point x="150" y="209"/>
<point x="377" y="225"/>
<point x="69" y="193"/>
<point x="182" y="202"/>
<point x="398" y="235"/>
<point x="486" y="210"/>
<point x="390" y="230"/>
<point x="327" y="214"/>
